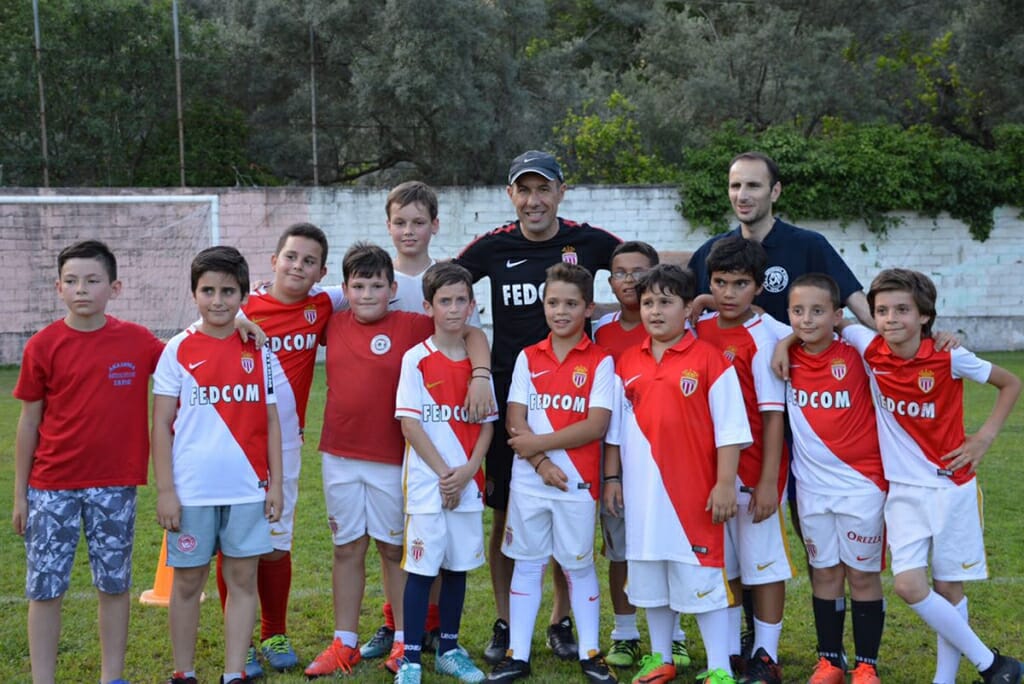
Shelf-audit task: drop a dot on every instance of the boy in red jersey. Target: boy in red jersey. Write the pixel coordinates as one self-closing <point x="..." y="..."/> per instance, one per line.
<point x="840" y="485"/>
<point x="677" y="434"/>
<point x="618" y="331"/>
<point x="216" y="460"/>
<point x="361" y="444"/>
<point x="559" y="405"/>
<point x="293" y="311"/>
<point x="444" y="533"/>
<point x="81" y="450"/>
<point x="757" y="553"/>
<point x="933" y="505"/>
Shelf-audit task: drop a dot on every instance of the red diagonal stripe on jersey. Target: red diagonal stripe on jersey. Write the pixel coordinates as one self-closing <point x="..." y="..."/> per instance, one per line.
<point x="452" y="392"/>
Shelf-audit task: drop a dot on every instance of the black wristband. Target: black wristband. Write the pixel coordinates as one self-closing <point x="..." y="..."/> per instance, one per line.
<point x="536" y="468"/>
<point x="613" y="478"/>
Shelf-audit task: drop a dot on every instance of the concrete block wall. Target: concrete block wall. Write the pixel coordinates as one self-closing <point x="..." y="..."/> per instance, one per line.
<point x="154" y="244"/>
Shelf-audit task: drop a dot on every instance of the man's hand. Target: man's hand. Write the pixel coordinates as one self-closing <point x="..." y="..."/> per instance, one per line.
<point x="613" y="498"/>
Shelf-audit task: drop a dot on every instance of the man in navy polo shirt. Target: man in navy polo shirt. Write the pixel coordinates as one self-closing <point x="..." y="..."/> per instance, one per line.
<point x="753" y="188"/>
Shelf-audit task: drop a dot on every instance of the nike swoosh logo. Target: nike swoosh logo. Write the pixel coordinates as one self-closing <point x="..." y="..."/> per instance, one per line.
<point x="518" y="593"/>
<point x="395" y="534"/>
<point x="512" y="264"/>
<point x="500" y="676"/>
<point x="864" y="558"/>
<point x="432" y="385"/>
<point x="593" y="598"/>
<point x="277" y="533"/>
<point x="257" y="321"/>
<point x="764" y="566"/>
<point x="632" y="379"/>
<point x="539" y="373"/>
<point x="968" y="566"/>
<point x="582" y="556"/>
<point x="197" y="364"/>
<point x="702" y="594"/>
<point x="880" y="372"/>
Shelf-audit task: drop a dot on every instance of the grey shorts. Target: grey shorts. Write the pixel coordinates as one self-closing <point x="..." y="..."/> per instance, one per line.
<point x="238" y="531"/>
<point x="56" y="519"/>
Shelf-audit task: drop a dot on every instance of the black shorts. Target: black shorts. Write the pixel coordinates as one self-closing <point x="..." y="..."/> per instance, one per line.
<point x="498" y="462"/>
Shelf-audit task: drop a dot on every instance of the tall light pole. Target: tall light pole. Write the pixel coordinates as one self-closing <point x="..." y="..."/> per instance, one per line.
<point x="177" y="83"/>
<point x="312" y="101"/>
<point x="42" y="94"/>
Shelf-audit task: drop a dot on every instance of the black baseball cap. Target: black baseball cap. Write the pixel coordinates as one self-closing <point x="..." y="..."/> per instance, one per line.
<point x="535" y="161"/>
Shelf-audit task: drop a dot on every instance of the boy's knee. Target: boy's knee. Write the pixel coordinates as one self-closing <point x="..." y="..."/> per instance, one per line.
<point x="354" y="550"/>
<point x="912" y="587"/>
<point x="863" y="582"/>
<point x="389" y="552"/>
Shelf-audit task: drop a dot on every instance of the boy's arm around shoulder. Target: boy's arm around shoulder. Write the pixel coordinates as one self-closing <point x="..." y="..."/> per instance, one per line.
<point x="974" y="447"/>
<point x="168" y="507"/>
<point x="480" y="397"/>
<point x="25" y="444"/>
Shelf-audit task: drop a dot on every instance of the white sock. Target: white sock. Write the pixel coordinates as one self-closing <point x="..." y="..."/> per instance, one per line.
<point x="659" y="627"/>
<point x="735" y="625"/>
<point x="229" y="676"/>
<point x="524" y="601"/>
<point x="400" y="635"/>
<point x="677" y="633"/>
<point x="942" y="617"/>
<point x="714" y="629"/>
<point x="766" y="636"/>
<point x="947" y="656"/>
<point x="625" y="628"/>
<point x="350" y="639"/>
<point x="585" y="599"/>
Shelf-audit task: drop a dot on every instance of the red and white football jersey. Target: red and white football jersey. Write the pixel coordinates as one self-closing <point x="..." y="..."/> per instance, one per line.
<point x="673" y="417"/>
<point x="223" y="386"/>
<point x="609" y="333"/>
<point x="832" y="417"/>
<point x="920" y="406"/>
<point x="557" y="394"/>
<point x="749" y="348"/>
<point x="364" y="361"/>
<point x="432" y="389"/>
<point x="294" y="332"/>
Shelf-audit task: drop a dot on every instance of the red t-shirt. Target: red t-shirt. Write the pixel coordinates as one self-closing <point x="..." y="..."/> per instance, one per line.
<point x="364" y="362"/>
<point x="95" y="387"/>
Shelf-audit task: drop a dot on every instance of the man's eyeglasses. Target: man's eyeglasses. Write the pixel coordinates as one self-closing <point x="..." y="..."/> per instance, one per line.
<point x="632" y="275"/>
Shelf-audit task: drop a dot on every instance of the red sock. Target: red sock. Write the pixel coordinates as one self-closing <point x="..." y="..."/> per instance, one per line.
<point x="389" y="617"/>
<point x="274" y="582"/>
<point x="433" y="618"/>
<point x="222" y="586"/>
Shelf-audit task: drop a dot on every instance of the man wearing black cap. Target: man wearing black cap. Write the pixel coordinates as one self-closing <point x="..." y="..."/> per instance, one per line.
<point x="515" y="257"/>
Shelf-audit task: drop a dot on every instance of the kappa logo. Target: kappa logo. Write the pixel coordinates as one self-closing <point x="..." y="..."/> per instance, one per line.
<point x="512" y="264"/>
<point x="197" y="364"/>
<point x="380" y="344"/>
<point x="838" y="369"/>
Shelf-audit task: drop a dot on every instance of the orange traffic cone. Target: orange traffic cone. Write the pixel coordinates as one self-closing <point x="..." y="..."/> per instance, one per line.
<point x="160" y="594"/>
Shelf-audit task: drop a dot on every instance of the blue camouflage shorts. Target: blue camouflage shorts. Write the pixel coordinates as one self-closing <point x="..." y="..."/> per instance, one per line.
<point x="56" y="518"/>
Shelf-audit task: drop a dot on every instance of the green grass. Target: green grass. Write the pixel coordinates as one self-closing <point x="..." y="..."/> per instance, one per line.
<point x="907" y="647"/>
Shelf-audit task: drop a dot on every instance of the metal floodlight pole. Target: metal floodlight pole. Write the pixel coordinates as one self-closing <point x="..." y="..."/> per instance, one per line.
<point x="312" y="102"/>
<point x="42" y="95"/>
<point x="177" y="84"/>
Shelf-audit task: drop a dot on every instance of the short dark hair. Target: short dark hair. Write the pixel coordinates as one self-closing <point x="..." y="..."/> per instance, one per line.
<point x="920" y="287"/>
<point x="737" y="254"/>
<point x="822" y="281"/>
<point x="574" y="274"/>
<point x="306" y="230"/>
<point x="773" y="168"/>
<point x="408" y="192"/>
<point x="89" y="249"/>
<point x="670" y="279"/>
<point x="444" y="273"/>
<point x="221" y="259"/>
<point x="366" y="260"/>
<point x="637" y="247"/>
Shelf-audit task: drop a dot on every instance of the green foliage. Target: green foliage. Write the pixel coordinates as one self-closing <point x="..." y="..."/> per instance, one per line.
<point x="852" y="172"/>
<point x="606" y="147"/>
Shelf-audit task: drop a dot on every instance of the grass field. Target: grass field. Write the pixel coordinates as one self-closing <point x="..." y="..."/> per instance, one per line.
<point x="907" y="647"/>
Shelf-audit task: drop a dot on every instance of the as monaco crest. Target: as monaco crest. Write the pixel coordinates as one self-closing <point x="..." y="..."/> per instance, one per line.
<point x="730" y="353"/>
<point x="579" y="376"/>
<point x="248" y="363"/>
<point x="416" y="550"/>
<point x="838" y="369"/>
<point x="926" y="380"/>
<point x="569" y="255"/>
<point x="688" y="382"/>
<point x="310" y="314"/>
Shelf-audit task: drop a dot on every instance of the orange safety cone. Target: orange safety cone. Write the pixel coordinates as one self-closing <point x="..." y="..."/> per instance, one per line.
<point x="160" y="594"/>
